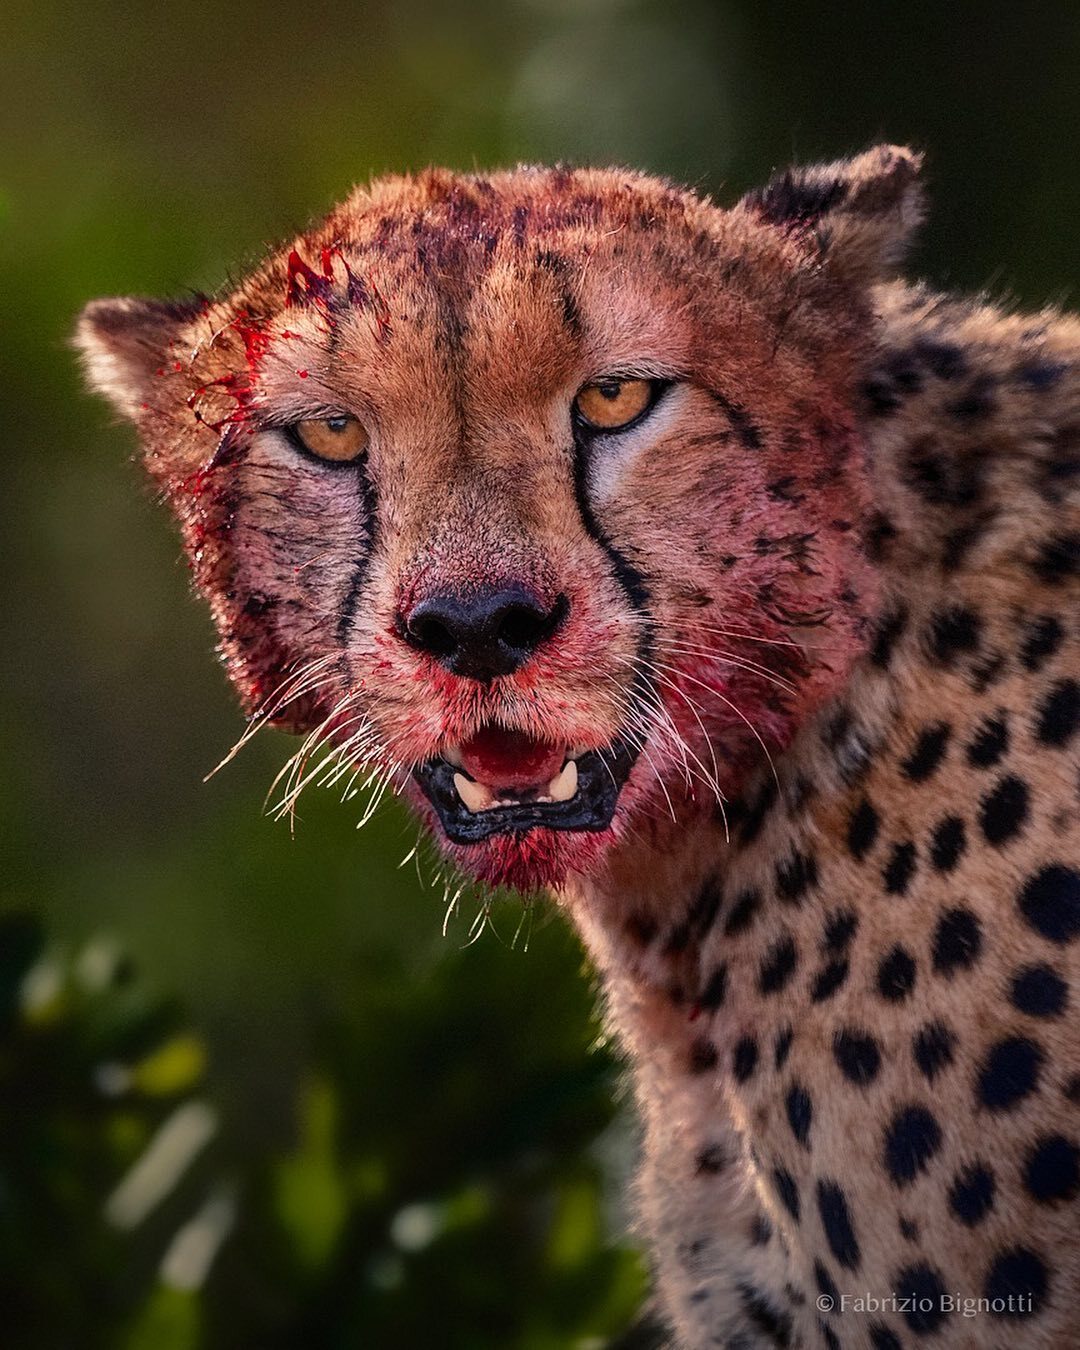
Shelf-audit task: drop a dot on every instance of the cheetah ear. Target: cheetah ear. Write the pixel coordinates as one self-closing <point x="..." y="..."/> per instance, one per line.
<point x="125" y="342"/>
<point x="856" y="215"/>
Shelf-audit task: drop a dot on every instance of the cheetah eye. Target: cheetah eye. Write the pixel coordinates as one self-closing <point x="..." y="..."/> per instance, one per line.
<point x="341" y="440"/>
<point x="612" y="404"/>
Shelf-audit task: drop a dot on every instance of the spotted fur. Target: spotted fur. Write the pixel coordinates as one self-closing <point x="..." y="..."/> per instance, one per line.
<point x="850" y="539"/>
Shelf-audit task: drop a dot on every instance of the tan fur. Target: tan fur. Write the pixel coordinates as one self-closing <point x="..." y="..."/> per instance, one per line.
<point x="853" y="527"/>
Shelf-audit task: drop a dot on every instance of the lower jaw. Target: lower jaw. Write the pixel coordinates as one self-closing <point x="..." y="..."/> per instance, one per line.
<point x="538" y="860"/>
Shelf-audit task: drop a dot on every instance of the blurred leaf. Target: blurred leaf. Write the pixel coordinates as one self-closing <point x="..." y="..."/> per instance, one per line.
<point x="176" y="1066"/>
<point x="311" y="1196"/>
<point x="169" y="1321"/>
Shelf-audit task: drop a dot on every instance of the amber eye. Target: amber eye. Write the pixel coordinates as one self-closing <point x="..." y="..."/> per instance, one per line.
<point x="339" y="439"/>
<point x="610" y="404"/>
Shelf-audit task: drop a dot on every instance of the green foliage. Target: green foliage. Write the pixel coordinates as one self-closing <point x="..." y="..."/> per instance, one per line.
<point x="415" y="1180"/>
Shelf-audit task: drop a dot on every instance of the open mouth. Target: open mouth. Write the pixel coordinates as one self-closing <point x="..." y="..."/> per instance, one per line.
<point x="504" y="782"/>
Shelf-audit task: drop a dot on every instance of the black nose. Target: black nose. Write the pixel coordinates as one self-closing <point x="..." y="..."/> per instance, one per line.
<point x="482" y="633"/>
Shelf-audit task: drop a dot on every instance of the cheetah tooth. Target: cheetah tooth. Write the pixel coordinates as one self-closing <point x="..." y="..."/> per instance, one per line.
<point x="475" y="795"/>
<point x="563" y="786"/>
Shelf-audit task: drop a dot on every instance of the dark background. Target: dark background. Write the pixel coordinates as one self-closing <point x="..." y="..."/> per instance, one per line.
<point x="412" y="1141"/>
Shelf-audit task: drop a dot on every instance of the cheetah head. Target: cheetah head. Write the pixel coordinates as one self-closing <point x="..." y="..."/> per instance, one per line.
<point x="537" y="495"/>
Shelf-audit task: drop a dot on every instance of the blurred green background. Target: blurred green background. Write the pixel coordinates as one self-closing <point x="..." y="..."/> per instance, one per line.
<point x="249" y="1092"/>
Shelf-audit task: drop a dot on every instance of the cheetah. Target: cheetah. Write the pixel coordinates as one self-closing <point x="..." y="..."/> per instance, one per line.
<point x="689" y="564"/>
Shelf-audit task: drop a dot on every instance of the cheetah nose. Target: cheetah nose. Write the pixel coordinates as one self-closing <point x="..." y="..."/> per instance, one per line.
<point x="482" y="633"/>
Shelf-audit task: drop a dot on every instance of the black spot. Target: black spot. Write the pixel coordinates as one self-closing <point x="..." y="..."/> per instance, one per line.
<point x="757" y="811"/>
<point x="1050" y="902"/>
<point x="1042" y="638"/>
<point x="888" y="630"/>
<point x="857" y="1055"/>
<point x="947" y="843"/>
<point x="971" y="1195"/>
<point x="703" y="911"/>
<point x="743" y="912"/>
<point x="957" y="941"/>
<point x="715" y="991"/>
<point x="703" y="1055"/>
<point x="788" y="1191"/>
<point x="831" y="1339"/>
<point x="1020" y="1274"/>
<point x="641" y="929"/>
<point x="771" y="1321"/>
<point x="778" y="966"/>
<point x="678" y="939"/>
<point x="944" y="480"/>
<point x="900" y="868"/>
<point x="783" y="1047"/>
<point x="849" y="744"/>
<point x="922" y="1289"/>
<point x="880" y="395"/>
<point x="880" y="532"/>
<point x="711" y="1161"/>
<point x="1058" y="715"/>
<point x="743" y="425"/>
<point x="896" y="975"/>
<point x="800" y="1113"/>
<point x="826" y="1287"/>
<point x="942" y="359"/>
<point x="1041" y="375"/>
<point x="912" y="1139"/>
<point x="1039" y="991"/>
<point x="836" y="1220"/>
<point x="839" y="930"/>
<point x="958" y="543"/>
<point x="976" y="402"/>
<point x="1004" y="810"/>
<point x="744" y="1058"/>
<point x="932" y="1047"/>
<point x="1057" y="559"/>
<point x="1052" y="1171"/>
<point x="829" y="979"/>
<point x="909" y="1229"/>
<point x="953" y="632"/>
<point x="989" y="743"/>
<point x="1010" y="1073"/>
<point x="1071" y="1090"/>
<point x="928" y="752"/>
<point x="795" y="876"/>
<point x="785" y="489"/>
<point x="881" y="1338"/>
<point x="257" y="604"/>
<point x="760" y="1231"/>
<point x="863" y="830"/>
<point x="802" y="790"/>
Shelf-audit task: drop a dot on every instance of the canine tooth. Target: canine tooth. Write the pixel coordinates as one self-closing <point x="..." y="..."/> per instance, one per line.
<point x="563" y="786"/>
<point x="452" y="755"/>
<point x="475" y="795"/>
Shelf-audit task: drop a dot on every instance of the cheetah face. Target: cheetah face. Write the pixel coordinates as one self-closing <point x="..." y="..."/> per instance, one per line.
<point x="536" y="497"/>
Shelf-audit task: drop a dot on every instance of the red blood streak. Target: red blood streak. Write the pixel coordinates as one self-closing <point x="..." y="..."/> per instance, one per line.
<point x="510" y="759"/>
